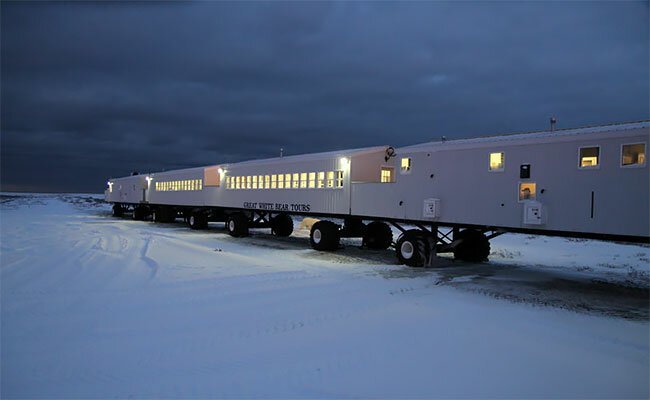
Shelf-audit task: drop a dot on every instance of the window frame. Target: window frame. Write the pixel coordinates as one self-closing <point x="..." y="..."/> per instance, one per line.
<point x="389" y="168"/>
<point x="503" y="161"/>
<point x="402" y="171"/>
<point x="519" y="183"/>
<point x="645" y="162"/>
<point x="590" y="167"/>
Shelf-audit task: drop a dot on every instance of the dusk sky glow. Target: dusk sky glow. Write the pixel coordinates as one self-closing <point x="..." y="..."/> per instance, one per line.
<point x="97" y="90"/>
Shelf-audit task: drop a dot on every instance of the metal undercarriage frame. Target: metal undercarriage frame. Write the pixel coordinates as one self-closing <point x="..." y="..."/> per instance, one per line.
<point x="445" y="239"/>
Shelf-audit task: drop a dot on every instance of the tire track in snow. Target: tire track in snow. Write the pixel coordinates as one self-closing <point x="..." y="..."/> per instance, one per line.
<point x="153" y="264"/>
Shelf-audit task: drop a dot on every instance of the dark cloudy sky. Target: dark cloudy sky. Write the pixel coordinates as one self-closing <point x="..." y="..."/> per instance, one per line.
<point x="91" y="91"/>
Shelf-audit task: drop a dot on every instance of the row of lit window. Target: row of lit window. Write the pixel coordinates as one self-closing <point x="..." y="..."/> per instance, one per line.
<point x="589" y="157"/>
<point x="303" y="180"/>
<point x="182" y="185"/>
<point x="631" y="154"/>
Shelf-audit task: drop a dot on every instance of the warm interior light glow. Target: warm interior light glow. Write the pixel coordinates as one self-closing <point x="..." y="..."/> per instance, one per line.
<point x="405" y="165"/>
<point x="589" y="157"/>
<point x="496" y="161"/>
<point x="589" y="161"/>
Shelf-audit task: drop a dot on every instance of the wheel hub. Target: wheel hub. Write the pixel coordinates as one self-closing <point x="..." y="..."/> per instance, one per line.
<point x="317" y="236"/>
<point x="407" y="250"/>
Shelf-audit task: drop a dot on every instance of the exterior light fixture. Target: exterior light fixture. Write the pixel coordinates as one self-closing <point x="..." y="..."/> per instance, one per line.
<point x="345" y="162"/>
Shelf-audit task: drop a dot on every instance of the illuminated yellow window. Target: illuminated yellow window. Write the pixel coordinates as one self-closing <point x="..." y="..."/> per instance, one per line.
<point x="527" y="191"/>
<point x="281" y="181"/>
<point x="238" y="182"/>
<point x="406" y="165"/>
<point x="497" y="161"/>
<point x="274" y="181"/>
<point x="330" y="179"/>
<point x="312" y="180"/>
<point x="249" y="182"/>
<point x="339" y="179"/>
<point x="303" y="180"/>
<point x="321" y="180"/>
<point x="200" y="184"/>
<point x="296" y="181"/>
<point x="260" y="181"/>
<point x="287" y="181"/>
<point x="633" y="154"/>
<point x="386" y="174"/>
<point x="589" y="157"/>
<point x="267" y="181"/>
<point x="254" y="184"/>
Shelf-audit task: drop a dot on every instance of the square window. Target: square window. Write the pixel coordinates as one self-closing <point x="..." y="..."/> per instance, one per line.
<point x="312" y="180"/>
<point x="254" y="183"/>
<point x="303" y="180"/>
<point x="527" y="191"/>
<point x="386" y="175"/>
<point x="267" y="181"/>
<point x="287" y="181"/>
<point x="406" y="165"/>
<point x="296" y="181"/>
<point x="274" y="181"/>
<point x="321" y="180"/>
<point x="330" y="179"/>
<point x="339" y="179"/>
<point x="589" y="157"/>
<point x="280" y="181"/>
<point x="497" y="161"/>
<point x="633" y="154"/>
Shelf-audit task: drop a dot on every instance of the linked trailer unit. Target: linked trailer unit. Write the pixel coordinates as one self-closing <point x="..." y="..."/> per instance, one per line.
<point x="458" y="194"/>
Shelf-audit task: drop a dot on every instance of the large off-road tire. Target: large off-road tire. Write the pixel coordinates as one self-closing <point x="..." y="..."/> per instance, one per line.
<point x="237" y="225"/>
<point x="474" y="247"/>
<point x="118" y="210"/>
<point x="412" y="248"/>
<point x="324" y="236"/>
<point x="282" y="225"/>
<point x="139" y="213"/>
<point x="197" y="220"/>
<point x="378" y="236"/>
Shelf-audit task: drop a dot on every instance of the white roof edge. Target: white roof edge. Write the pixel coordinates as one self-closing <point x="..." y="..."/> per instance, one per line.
<point x="311" y="156"/>
<point x="538" y="134"/>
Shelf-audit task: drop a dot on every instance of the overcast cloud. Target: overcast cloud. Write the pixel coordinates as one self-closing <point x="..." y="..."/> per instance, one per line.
<point x="91" y="91"/>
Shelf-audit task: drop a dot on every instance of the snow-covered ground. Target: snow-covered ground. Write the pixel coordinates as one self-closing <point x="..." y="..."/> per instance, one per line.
<point x="98" y="307"/>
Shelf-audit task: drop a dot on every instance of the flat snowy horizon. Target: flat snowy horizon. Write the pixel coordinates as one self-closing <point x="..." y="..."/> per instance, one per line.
<point x="98" y="307"/>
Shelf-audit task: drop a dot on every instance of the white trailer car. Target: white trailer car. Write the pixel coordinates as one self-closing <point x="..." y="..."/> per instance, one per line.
<point x="587" y="182"/>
